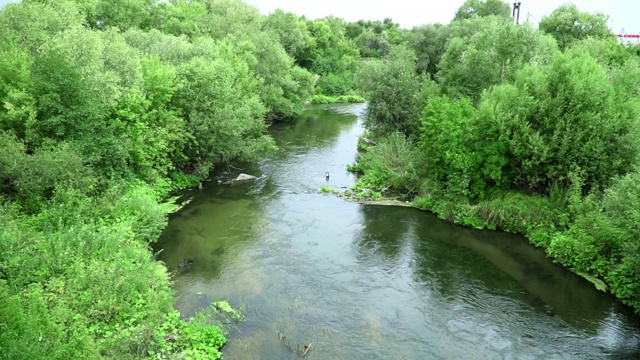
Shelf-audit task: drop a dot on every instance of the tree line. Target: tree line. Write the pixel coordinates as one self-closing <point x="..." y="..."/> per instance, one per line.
<point x="533" y="130"/>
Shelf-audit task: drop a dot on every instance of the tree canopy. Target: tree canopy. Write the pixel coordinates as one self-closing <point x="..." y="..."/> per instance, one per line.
<point x="567" y="24"/>
<point x="482" y="8"/>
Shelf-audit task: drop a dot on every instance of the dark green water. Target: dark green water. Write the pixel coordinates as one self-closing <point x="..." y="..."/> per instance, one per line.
<point x="373" y="282"/>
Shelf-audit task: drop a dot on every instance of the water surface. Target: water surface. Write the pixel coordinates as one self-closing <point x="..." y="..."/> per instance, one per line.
<point x="373" y="282"/>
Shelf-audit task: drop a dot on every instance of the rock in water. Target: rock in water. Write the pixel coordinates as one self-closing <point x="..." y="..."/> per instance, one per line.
<point x="245" y="177"/>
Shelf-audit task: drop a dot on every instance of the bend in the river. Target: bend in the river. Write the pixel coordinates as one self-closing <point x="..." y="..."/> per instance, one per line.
<point x="373" y="282"/>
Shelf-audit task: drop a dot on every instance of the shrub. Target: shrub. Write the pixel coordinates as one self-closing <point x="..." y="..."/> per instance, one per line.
<point x="519" y="213"/>
<point x="394" y="163"/>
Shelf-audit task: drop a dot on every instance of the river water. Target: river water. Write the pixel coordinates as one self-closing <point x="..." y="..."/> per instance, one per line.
<point x="373" y="282"/>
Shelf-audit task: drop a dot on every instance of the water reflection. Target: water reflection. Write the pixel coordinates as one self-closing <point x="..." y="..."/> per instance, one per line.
<point x="378" y="238"/>
<point x="317" y="127"/>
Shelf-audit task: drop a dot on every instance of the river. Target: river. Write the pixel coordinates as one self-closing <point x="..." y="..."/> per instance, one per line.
<point x="372" y="282"/>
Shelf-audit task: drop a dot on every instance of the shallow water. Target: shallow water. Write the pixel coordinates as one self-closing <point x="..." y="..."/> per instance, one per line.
<point x="373" y="282"/>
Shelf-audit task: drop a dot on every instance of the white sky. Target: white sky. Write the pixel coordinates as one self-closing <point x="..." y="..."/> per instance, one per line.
<point x="409" y="13"/>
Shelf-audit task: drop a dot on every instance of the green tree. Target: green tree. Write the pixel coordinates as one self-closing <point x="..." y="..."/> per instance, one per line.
<point x="291" y="31"/>
<point x="170" y="49"/>
<point x="76" y="84"/>
<point x="230" y="17"/>
<point x="178" y="18"/>
<point x="448" y="140"/>
<point x="284" y="87"/>
<point x="337" y="69"/>
<point x="607" y="51"/>
<point x="561" y="121"/>
<point x="331" y="56"/>
<point x="154" y="133"/>
<point x="32" y="179"/>
<point x="430" y="43"/>
<point x="223" y="112"/>
<point x="17" y="104"/>
<point x="123" y="14"/>
<point x="321" y="40"/>
<point x="620" y="206"/>
<point x="391" y="86"/>
<point x="33" y="23"/>
<point x="375" y="38"/>
<point x="353" y="30"/>
<point x="567" y="24"/>
<point x="490" y="53"/>
<point x="483" y="8"/>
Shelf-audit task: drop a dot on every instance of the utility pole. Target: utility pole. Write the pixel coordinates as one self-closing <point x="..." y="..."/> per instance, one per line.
<point x="516" y="9"/>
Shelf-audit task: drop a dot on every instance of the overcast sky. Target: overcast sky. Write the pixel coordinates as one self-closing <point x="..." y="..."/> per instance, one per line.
<point x="408" y="13"/>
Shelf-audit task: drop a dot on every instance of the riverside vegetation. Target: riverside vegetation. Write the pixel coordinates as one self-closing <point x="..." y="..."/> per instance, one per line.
<point x="530" y="130"/>
<point x="108" y="106"/>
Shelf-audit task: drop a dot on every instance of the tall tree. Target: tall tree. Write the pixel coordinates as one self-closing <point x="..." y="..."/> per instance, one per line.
<point x="291" y="31"/>
<point x="33" y="23"/>
<point x="448" y="140"/>
<point x="179" y="18"/>
<point x="284" y="86"/>
<point x="482" y="8"/>
<point x="429" y="42"/>
<point x="487" y="52"/>
<point x="391" y="85"/>
<point x="230" y="17"/>
<point x="223" y="112"/>
<point x="17" y="103"/>
<point x="123" y="14"/>
<point x="561" y="121"/>
<point x="567" y="24"/>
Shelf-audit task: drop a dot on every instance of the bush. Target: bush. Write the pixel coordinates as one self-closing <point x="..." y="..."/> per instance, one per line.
<point x="393" y="163"/>
<point x="447" y="140"/>
<point x="334" y="85"/>
<point x="520" y="213"/>
<point x="84" y="279"/>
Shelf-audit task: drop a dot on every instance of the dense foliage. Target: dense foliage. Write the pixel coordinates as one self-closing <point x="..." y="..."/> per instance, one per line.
<point x="105" y="107"/>
<point x="567" y="24"/>
<point x="391" y="86"/>
<point x="533" y="131"/>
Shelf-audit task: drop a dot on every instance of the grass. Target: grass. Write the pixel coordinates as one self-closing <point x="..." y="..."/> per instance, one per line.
<point x="324" y="99"/>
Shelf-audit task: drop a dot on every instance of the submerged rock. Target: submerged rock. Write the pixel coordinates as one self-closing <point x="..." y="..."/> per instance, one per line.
<point x="186" y="262"/>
